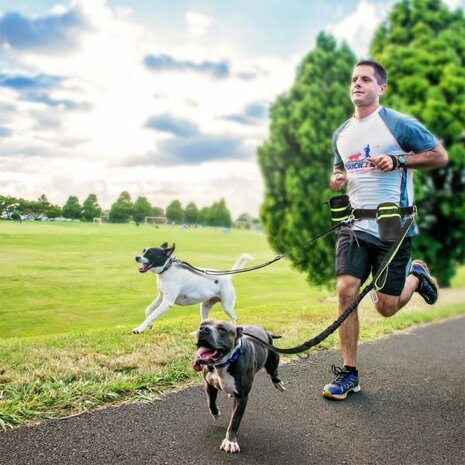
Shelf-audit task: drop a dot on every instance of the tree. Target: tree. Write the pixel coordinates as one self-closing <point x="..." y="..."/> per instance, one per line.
<point x="8" y="204"/>
<point x="72" y="209"/>
<point x="203" y="217"/>
<point x="53" y="211"/>
<point x="121" y="210"/>
<point x="174" y="212"/>
<point x="43" y="204"/>
<point x="191" y="213"/>
<point x="220" y="215"/>
<point x="296" y="160"/>
<point x="158" y="211"/>
<point x="422" y="45"/>
<point x="90" y="208"/>
<point x="142" y="208"/>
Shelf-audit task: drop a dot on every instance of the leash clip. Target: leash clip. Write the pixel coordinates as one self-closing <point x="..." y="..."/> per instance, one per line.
<point x="351" y="218"/>
<point x="373" y="296"/>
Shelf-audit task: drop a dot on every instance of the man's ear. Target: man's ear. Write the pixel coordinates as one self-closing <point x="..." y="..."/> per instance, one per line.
<point x="240" y="331"/>
<point x="382" y="89"/>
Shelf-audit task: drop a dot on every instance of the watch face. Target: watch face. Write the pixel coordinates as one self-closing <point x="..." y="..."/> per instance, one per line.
<point x="402" y="160"/>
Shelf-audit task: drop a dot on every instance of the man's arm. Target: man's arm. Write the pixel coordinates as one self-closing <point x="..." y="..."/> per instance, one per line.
<point x="429" y="160"/>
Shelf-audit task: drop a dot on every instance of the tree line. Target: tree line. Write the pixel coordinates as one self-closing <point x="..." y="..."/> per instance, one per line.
<point x="121" y="211"/>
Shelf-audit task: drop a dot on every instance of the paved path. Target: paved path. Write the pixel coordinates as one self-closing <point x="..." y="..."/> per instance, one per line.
<point x="411" y="411"/>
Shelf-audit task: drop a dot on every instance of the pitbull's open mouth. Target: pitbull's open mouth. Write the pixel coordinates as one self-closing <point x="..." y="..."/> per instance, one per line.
<point x="145" y="267"/>
<point x="206" y="355"/>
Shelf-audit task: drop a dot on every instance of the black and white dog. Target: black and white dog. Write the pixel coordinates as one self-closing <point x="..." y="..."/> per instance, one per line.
<point x="229" y="361"/>
<point x="178" y="284"/>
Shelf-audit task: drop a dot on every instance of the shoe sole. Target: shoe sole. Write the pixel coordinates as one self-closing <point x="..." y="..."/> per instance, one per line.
<point x="330" y="395"/>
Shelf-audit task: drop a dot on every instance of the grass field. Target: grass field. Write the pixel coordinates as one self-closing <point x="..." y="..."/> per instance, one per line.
<point x="71" y="293"/>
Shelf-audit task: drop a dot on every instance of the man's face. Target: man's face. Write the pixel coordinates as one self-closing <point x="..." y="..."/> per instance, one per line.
<point x="364" y="89"/>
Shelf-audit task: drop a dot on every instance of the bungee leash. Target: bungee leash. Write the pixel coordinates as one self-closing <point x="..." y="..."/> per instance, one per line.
<point x="373" y="285"/>
<point x="346" y="222"/>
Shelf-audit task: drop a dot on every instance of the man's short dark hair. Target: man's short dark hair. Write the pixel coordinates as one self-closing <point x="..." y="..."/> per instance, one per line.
<point x="380" y="71"/>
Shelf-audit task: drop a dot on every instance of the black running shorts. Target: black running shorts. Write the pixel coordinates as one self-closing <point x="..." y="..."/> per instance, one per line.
<point x="358" y="254"/>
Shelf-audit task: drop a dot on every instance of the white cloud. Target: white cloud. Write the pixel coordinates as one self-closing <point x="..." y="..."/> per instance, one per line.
<point x="197" y="23"/>
<point x="85" y="133"/>
<point x="357" y="29"/>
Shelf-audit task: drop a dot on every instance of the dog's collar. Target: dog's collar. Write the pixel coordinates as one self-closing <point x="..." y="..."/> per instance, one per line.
<point x="232" y="356"/>
<point x="167" y="264"/>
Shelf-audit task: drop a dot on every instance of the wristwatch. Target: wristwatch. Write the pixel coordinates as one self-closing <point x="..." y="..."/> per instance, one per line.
<point x="401" y="160"/>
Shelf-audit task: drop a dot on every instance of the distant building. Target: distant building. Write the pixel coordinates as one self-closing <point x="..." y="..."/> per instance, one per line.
<point x="247" y="221"/>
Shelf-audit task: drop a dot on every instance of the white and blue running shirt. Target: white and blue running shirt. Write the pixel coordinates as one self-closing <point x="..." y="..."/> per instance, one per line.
<point x="384" y="132"/>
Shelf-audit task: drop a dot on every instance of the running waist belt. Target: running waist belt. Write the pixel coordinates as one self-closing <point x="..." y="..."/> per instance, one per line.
<point x="372" y="213"/>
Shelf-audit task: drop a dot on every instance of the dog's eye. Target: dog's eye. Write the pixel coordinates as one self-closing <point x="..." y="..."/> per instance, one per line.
<point x="222" y="330"/>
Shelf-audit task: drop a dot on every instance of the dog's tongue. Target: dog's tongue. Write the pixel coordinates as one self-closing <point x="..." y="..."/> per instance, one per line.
<point x="145" y="268"/>
<point x="205" y="355"/>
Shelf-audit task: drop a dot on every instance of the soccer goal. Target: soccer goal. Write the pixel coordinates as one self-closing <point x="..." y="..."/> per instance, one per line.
<point x="97" y="220"/>
<point x="155" y="220"/>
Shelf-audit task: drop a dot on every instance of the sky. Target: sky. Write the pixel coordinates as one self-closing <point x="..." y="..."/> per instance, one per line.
<point x="163" y="99"/>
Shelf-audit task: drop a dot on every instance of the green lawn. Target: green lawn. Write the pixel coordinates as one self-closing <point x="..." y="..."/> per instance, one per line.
<point x="71" y="293"/>
<point x="58" y="278"/>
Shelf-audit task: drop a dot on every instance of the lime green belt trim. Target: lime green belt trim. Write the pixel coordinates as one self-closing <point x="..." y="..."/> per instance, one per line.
<point x="385" y="215"/>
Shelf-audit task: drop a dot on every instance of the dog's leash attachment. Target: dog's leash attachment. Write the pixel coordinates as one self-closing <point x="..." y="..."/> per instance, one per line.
<point x="347" y="222"/>
<point x="373" y="285"/>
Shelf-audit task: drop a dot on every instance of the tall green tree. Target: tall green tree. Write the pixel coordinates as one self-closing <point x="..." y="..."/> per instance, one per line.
<point x="142" y="208"/>
<point x="220" y="215"/>
<point x="175" y="212"/>
<point x="296" y="160"/>
<point x="121" y="210"/>
<point x="90" y="208"/>
<point x="72" y="208"/>
<point x="422" y="45"/>
<point x="191" y="213"/>
<point x="203" y="217"/>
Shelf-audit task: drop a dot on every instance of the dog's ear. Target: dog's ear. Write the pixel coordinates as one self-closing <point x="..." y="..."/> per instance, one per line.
<point x="164" y="245"/>
<point x="168" y="252"/>
<point x="240" y="331"/>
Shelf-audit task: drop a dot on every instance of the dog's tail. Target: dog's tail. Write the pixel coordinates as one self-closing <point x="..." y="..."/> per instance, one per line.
<point x="241" y="260"/>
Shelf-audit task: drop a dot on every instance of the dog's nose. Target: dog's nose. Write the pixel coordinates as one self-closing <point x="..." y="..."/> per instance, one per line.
<point x="137" y="259"/>
<point x="204" y="329"/>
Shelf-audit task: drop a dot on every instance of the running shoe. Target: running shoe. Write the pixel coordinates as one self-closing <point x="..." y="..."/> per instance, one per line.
<point x="426" y="286"/>
<point x="344" y="383"/>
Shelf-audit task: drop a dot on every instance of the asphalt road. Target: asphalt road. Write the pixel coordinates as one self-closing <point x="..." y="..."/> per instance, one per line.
<point x="411" y="411"/>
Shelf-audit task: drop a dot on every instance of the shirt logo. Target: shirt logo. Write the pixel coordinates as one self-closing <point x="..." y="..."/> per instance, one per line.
<point x="358" y="162"/>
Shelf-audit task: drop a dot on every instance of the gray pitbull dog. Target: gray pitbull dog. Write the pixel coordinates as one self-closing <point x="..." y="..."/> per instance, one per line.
<point x="229" y="360"/>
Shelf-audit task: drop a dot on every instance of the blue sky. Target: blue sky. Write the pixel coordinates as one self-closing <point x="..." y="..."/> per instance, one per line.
<point x="163" y="99"/>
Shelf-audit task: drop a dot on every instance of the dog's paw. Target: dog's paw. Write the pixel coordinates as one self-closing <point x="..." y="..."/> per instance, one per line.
<point x="279" y="386"/>
<point x="138" y="330"/>
<point x="230" y="446"/>
<point x="215" y="414"/>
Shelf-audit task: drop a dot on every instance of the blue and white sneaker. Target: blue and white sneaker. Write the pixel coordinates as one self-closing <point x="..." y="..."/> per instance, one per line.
<point x="344" y="383"/>
<point x="426" y="286"/>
